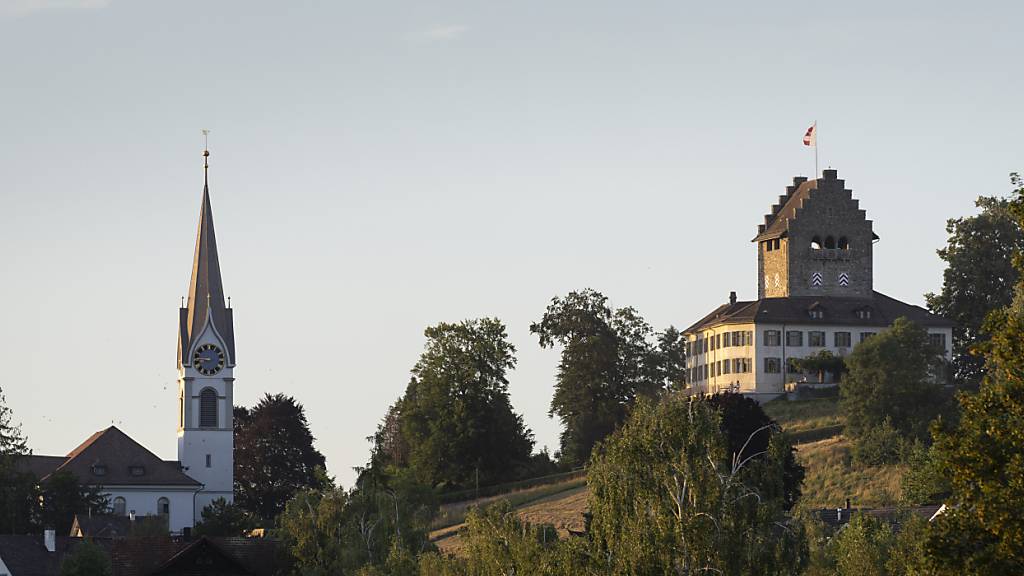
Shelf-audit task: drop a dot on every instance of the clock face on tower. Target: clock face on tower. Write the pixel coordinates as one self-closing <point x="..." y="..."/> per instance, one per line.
<point x="208" y="359"/>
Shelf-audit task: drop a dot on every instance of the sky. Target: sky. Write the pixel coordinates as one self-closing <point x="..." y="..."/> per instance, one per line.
<point x="379" y="167"/>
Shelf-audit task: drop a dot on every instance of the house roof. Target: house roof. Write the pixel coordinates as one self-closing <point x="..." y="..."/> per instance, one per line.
<point x="119" y="456"/>
<point x="837" y="311"/>
<point x="101" y="526"/>
<point x="205" y="291"/>
<point x="26" y="554"/>
<point x="145" y="556"/>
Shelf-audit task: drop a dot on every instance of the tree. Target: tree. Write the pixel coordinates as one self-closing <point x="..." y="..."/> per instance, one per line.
<point x="979" y="278"/>
<point x="667" y="498"/>
<point x="982" y="532"/>
<point x="607" y="362"/>
<point x="748" y="432"/>
<point x="62" y="496"/>
<point x="379" y="524"/>
<point x="893" y="375"/>
<point x="455" y="426"/>
<point x="87" y="559"/>
<point x="274" y="455"/>
<point x="223" y="518"/>
<point x="18" y="492"/>
<point x="820" y="363"/>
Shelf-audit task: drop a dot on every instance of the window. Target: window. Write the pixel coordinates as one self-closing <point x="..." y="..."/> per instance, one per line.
<point x="136" y="471"/>
<point x="816" y="313"/>
<point x="938" y="340"/>
<point x="750" y="337"/>
<point x="704" y="346"/>
<point x="816" y="339"/>
<point x="768" y="245"/>
<point x="119" y="506"/>
<point x="865" y="335"/>
<point x="794" y="338"/>
<point x="726" y="340"/>
<point x="741" y="365"/>
<point x="772" y="338"/>
<point x="773" y="365"/>
<point x="208" y="408"/>
<point x="844" y="244"/>
<point x="864" y="313"/>
<point x="842" y="339"/>
<point x="777" y="242"/>
<point x="99" y="469"/>
<point x="816" y="243"/>
<point x="725" y="366"/>
<point x="209" y="461"/>
<point x="830" y="243"/>
<point x="163" y="506"/>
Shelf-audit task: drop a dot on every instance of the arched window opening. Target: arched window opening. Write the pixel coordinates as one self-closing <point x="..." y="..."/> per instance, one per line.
<point x="208" y="408"/>
<point x="816" y="243"/>
<point x="119" y="506"/>
<point x="163" y="506"/>
<point x="830" y="243"/>
<point x="844" y="244"/>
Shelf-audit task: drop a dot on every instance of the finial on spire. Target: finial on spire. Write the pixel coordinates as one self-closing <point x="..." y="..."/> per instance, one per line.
<point x="206" y="152"/>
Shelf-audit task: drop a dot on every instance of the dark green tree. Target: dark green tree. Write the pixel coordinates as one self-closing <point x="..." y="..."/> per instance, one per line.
<point x="979" y="278"/>
<point x="18" y="491"/>
<point x="667" y="498"/>
<point x="62" y="496"/>
<point x="749" y="431"/>
<point x="983" y="530"/>
<point x="274" y="455"/>
<point x="222" y="518"/>
<point x="896" y="375"/>
<point x="455" y="426"/>
<point x="87" y="559"/>
<point x="608" y="360"/>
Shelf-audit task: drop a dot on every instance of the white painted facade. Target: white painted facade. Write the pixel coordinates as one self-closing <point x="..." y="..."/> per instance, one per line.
<point x="758" y="382"/>
<point x="144" y="501"/>
<point x="206" y="453"/>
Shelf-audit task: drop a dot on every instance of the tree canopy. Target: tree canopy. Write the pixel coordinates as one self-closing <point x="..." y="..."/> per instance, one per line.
<point x="455" y="425"/>
<point x="667" y="497"/>
<point x="18" y="493"/>
<point x="274" y="455"/>
<point x="608" y="360"/>
<point x="983" y="530"/>
<point x="894" y="375"/>
<point x="979" y="278"/>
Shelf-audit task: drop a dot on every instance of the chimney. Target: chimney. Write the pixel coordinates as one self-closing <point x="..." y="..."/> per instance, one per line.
<point x="50" y="539"/>
<point x="732" y="297"/>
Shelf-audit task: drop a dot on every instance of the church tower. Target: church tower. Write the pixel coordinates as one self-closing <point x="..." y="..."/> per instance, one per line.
<point x="206" y="361"/>
<point x="815" y="242"/>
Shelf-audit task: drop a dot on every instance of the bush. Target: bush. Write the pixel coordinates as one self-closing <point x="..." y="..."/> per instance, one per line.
<point x="881" y="444"/>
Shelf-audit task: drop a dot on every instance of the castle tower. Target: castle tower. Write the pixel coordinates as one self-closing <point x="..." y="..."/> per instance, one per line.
<point x="206" y="361"/>
<point x="815" y="242"/>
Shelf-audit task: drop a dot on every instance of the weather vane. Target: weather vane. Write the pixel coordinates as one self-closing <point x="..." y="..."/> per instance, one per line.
<point x="206" y="147"/>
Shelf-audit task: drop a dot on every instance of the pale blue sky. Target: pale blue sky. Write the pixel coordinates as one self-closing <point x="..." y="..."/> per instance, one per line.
<point x="381" y="166"/>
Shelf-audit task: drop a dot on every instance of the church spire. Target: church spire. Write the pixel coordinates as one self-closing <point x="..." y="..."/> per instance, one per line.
<point x="206" y="289"/>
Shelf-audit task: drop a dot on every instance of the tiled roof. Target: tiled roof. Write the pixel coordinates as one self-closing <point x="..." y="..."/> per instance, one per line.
<point x="101" y="526"/>
<point x="26" y="554"/>
<point x="838" y="311"/>
<point x="118" y="455"/>
<point x="145" y="556"/>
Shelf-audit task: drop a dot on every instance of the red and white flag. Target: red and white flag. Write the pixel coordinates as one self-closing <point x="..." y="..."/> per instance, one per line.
<point x="810" y="138"/>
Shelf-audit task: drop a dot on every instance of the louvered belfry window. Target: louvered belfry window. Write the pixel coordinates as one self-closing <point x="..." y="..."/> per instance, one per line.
<point x="208" y="408"/>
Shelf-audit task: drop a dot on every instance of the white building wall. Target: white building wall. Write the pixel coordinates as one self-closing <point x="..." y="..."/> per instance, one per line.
<point x="764" y="385"/>
<point x="143" y="500"/>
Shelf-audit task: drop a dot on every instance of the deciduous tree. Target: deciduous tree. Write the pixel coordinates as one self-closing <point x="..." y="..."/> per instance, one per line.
<point x="274" y="455"/>
<point x="62" y="496"/>
<point x="608" y="360"/>
<point x="979" y="278"/>
<point x="894" y="375"/>
<point x="455" y="425"/>
<point x="223" y="518"/>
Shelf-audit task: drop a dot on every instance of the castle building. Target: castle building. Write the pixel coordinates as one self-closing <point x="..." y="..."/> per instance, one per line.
<point x="815" y="293"/>
<point x="136" y="481"/>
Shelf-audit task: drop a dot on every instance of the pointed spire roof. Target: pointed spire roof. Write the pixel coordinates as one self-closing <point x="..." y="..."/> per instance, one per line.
<point x="206" y="289"/>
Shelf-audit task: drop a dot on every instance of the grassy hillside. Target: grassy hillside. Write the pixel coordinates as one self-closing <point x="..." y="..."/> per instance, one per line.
<point x="831" y="477"/>
<point x="803" y="415"/>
